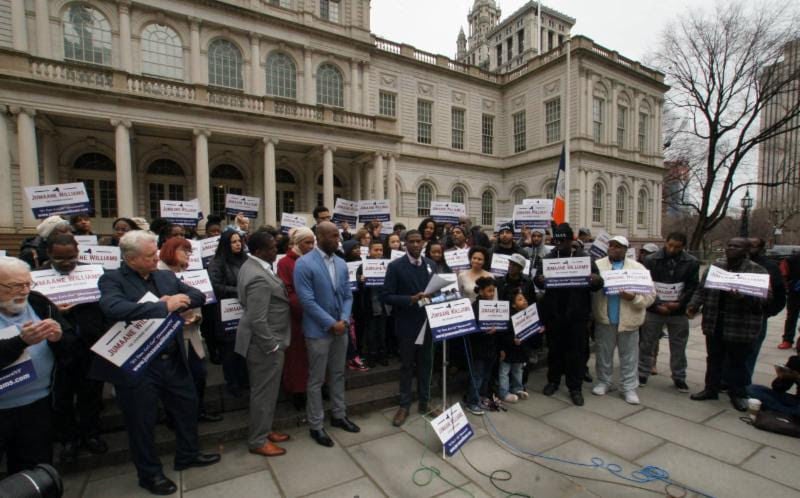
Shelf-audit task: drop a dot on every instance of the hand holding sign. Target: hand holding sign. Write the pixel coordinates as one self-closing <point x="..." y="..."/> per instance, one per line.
<point x="176" y="302"/>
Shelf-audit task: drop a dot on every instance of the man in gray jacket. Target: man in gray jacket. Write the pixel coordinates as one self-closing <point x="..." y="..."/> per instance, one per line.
<point x="262" y="338"/>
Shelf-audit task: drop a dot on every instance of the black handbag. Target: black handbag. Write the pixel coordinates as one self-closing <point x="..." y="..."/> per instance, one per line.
<point x="781" y="423"/>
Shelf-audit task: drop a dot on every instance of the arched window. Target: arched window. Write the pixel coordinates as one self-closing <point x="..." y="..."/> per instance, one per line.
<point x="225" y="64"/>
<point x="166" y="181"/>
<point x="549" y="191"/>
<point x="424" y="196"/>
<point x="597" y="203"/>
<point x="286" y="191"/>
<point x="98" y="174"/>
<point x="641" y="208"/>
<point x="281" y="76"/>
<point x="225" y="179"/>
<point x="622" y="202"/>
<point x="330" y="86"/>
<point x="487" y="208"/>
<point x="87" y="35"/>
<point x="162" y="52"/>
<point x="458" y="195"/>
<point x="519" y="196"/>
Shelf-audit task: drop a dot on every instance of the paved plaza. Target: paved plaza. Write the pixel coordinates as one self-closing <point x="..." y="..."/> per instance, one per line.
<point x="702" y="445"/>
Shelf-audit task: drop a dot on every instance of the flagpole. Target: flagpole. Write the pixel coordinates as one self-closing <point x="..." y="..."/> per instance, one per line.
<point x="567" y="134"/>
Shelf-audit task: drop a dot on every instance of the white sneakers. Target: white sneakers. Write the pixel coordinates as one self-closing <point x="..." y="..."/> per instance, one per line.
<point x="631" y="397"/>
<point x="511" y="398"/>
<point x="600" y="389"/>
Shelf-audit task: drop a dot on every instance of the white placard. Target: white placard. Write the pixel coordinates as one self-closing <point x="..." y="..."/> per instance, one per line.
<point x="86" y="240"/>
<point x="668" y="293"/>
<point x="375" y="271"/>
<point x="208" y="249"/>
<point x="184" y="213"/>
<point x="634" y="281"/>
<point x="19" y="373"/>
<point x="77" y="287"/>
<point x="370" y="210"/>
<point x="493" y="314"/>
<point x="364" y="251"/>
<point x="106" y="256"/>
<point x="64" y="198"/>
<point x="352" y="274"/>
<point x="750" y="284"/>
<point x="231" y="312"/>
<point x="451" y="319"/>
<point x="526" y="323"/>
<point x="447" y="212"/>
<point x="248" y="206"/>
<point x="345" y="211"/>
<point x="566" y="272"/>
<point x="200" y="280"/>
<point x="453" y="429"/>
<point x="533" y="213"/>
<point x="599" y="247"/>
<point x="396" y="254"/>
<point x="631" y="253"/>
<point x="457" y="259"/>
<point x="289" y="221"/>
<point x="196" y="258"/>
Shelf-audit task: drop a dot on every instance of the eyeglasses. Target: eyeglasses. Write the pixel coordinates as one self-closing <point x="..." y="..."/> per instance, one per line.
<point x="18" y="286"/>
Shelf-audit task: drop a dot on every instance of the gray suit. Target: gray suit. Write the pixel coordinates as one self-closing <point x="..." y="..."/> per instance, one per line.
<point x="265" y="325"/>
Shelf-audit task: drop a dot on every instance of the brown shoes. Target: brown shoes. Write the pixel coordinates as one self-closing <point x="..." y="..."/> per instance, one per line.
<point x="277" y="437"/>
<point x="268" y="450"/>
<point x="400" y="417"/>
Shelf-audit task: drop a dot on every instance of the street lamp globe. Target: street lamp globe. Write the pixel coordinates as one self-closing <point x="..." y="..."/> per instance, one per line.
<point x="747" y="201"/>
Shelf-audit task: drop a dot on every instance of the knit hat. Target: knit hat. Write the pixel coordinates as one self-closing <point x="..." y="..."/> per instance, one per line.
<point x="650" y="248"/>
<point x="347" y="247"/>
<point x="518" y="259"/>
<point x="505" y="226"/>
<point x="563" y="231"/>
<point x="46" y="227"/>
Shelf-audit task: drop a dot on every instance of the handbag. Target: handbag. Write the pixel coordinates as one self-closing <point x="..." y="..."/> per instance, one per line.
<point x="780" y="423"/>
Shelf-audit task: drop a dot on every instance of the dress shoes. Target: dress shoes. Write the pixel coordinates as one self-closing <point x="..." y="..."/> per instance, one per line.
<point x="95" y="445"/>
<point x="200" y="460"/>
<point x="321" y="437"/>
<point x="209" y="417"/>
<point x="704" y="395"/>
<point x="345" y="424"/>
<point x="159" y="485"/>
<point x="268" y="450"/>
<point x="740" y="404"/>
<point x="550" y="389"/>
<point x="277" y="437"/>
<point x="400" y="417"/>
<point x="576" y="397"/>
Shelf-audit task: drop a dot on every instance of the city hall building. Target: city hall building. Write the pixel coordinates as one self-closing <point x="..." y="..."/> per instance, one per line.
<point x="298" y="103"/>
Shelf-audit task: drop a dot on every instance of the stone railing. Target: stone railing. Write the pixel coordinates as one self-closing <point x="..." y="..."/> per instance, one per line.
<point x="425" y="56"/>
<point x="387" y="46"/>
<point x="160" y="88"/>
<point x="353" y="119"/>
<point x="301" y="111"/>
<point x="76" y="74"/>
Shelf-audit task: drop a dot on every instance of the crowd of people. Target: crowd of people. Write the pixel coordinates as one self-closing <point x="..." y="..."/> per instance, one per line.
<point x="307" y="317"/>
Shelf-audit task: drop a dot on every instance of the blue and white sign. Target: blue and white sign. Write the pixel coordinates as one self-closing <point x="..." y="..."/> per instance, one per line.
<point x="345" y="212"/>
<point x="64" y="198"/>
<point x="453" y="429"/>
<point x="86" y="240"/>
<point x="526" y="323"/>
<point x="375" y="271"/>
<point x="451" y="319"/>
<point x="500" y="265"/>
<point x="289" y="221"/>
<point x="195" y="258"/>
<point x="599" y="247"/>
<point x="352" y="270"/>
<point x="231" y="312"/>
<point x="567" y="272"/>
<point x="533" y="213"/>
<point x="208" y="248"/>
<point x="457" y="259"/>
<point x="184" y="213"/>
<point x="106" y="256"/>
<point x="19" y="373"/>
<point x="200" y="280"/>
<point x="668" y="293"/>
<point x="77" y="287"/>
<point x="749" y="284"/>
<point x="447" y="212"/>
<point x="132" y="345"/>
<point x="248" y="206"/>
<point x="493" y="315"/>
<point x="634" y="281"/>
<point x="373" y="210"/>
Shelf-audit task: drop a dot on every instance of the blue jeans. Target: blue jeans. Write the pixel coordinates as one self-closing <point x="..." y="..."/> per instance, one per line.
<point x="481" y="372"/>
<point x="514" y="372"/>
<point x="774" y="400"/>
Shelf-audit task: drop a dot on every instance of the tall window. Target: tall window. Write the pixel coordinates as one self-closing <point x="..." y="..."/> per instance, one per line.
<point x="487" y="134"/>
<point x="286" y="190"/>
<point x="597" y="203"/>
<point x="622" y="117"/>
<point x="552" y="120"/>
<point x="598" y="116"/>
<point x="487" y="208"/>
<point x="519" y="196"/>
<point x="165" y="182"/>
<point x="458" y="195"/>
<point x="225" y="64"/>
<point x="642" y="132"/>
<point x="519" y="131"/>
<point x="622" y="202"/>
<point x="281" y="76"/>
<point x="424" y="195"/>
<point x="387" y="104"/>
<point x="329" y="10"/>
<point x="520" y="40"/>
<point x="162" y="52"/>
<point x="424" y="121"/>
<point x="97" y="173"/>
<point x="500" y="54"/>
<point x="330" y="86"/>
<point x="457" y="117"/>
<point x="87" y="35"/>
<point x="225" y="179"/>
<point x="641" y="208"/>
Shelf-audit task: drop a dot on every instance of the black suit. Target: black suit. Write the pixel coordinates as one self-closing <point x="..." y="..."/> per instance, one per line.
<point x="166" y="377"/>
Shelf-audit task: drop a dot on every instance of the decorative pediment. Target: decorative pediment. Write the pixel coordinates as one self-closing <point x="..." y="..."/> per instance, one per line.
<point x="388" y="80"/>
<point x="459" y="98"/>
<point x="488" y="105"/>
<point x="552" y="88"/>
<point x="518" y="101"/>
<point x="425" y="89"/>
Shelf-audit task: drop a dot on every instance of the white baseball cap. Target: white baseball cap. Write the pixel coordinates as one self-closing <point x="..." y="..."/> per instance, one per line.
<point x="619" y="239"/>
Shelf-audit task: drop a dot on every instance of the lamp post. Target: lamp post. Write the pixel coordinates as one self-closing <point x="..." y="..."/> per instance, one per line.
<point x="747" y="203"/>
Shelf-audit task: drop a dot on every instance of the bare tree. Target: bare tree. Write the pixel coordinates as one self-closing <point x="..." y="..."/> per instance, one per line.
<point x="723" y="70"/>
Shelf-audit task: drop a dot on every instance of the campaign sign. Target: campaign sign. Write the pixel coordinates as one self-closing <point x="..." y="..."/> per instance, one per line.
<point x="668" y="293"/>
<point x="131" y="345"/>
<point x="526" y="323"/>
<point x="631" y="253"/>
<point x="345" y="212"/>
<point x="634" y="281"/>
<point x="86" y="240"/>
<point x="567" y="272"/>
<point x="533" y="213"/>
<point x="453" y="429"/>
<point x="352" y="269"/>
<point x="208" y="248"/>
<point x="493" y="314"/>
<point x="77" y="287"/>
<point x="387" y="228"/>
<point x="599" y="247"/>
<point x="750" y="284"/>
<point x="184" y="213"/>
<point x="447" y="212"/>
<point x="289" y="221"/>
<point x="64" y="198"/>
<point x="235" y="204"/>
<point x="231" y="312"/>
<point x="396" y="254"/>
<point x="196" y="258"/>
<point x="19" y="373"/>
<point x="500" y="265"/>
<point x="200" y="280"/>
<point x="457" y="259"/>
<point x="106" y="256"/>
<point x="364" y="251"/>
<point x="373" y="210"/>
<point x="375" y="271"/>
<point x="451" y="319"/>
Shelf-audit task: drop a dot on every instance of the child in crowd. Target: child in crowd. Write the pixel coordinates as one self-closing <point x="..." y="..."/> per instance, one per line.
<point x="513" y="355"/>
<point x="392" y="243"/>
<point x="435" y="251"/>
<point x="372" y="315"/>
<point x="482" y="350"/>
<point x="352" y="252"/>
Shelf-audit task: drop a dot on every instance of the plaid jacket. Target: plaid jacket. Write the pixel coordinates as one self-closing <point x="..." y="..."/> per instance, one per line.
<point x="741" y="317"/>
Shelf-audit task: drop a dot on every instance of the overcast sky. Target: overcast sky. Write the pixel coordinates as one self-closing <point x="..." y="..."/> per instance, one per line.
<point x="630" y="27"/>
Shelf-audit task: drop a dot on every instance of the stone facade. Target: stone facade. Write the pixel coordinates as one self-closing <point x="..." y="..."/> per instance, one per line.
<point x="295" y="101"/>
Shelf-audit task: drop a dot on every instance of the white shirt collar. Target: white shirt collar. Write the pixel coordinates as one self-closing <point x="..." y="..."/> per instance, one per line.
<point x="265" y="265"/>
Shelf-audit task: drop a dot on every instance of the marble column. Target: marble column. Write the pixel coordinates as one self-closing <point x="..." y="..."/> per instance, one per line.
<point x="364" y="87"/>
<point x="355" y="190"/>
<point x="327" y="175"/>
<point x="311" y="183"/>
<point x="369" y="182"/>
<point x="122" y="149"/>
<point x="256" y="81"/>
<point x="201" y="174"/>
<point x="126" y="61"/>
<point x="19" y="28"/>
<point x="194" y="43"/>
<point x="50" y="157"/>
<point x="391" y="185"/>
<point x="6" y="192"/>
<point x="28" y="157"/>
<point x="355" y="101"/>
<point x="43" y="41"/>
<point x="378" y="165"/>
<point x="308" y="78"/>
<point x="270" y="185"/>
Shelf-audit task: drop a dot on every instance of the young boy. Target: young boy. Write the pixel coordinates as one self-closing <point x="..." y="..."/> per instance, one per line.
<point x="484" y="353"/>
<point x="372" y="314"/>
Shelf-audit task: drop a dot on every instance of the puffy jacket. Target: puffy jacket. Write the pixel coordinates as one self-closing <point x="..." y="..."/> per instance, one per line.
<point x="683" y="269"/>
<point x="631" y="313"/>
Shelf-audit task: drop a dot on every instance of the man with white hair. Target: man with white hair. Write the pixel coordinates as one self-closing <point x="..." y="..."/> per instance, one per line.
<point x="31" y="327"/>
<point x="166" y="377"/>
